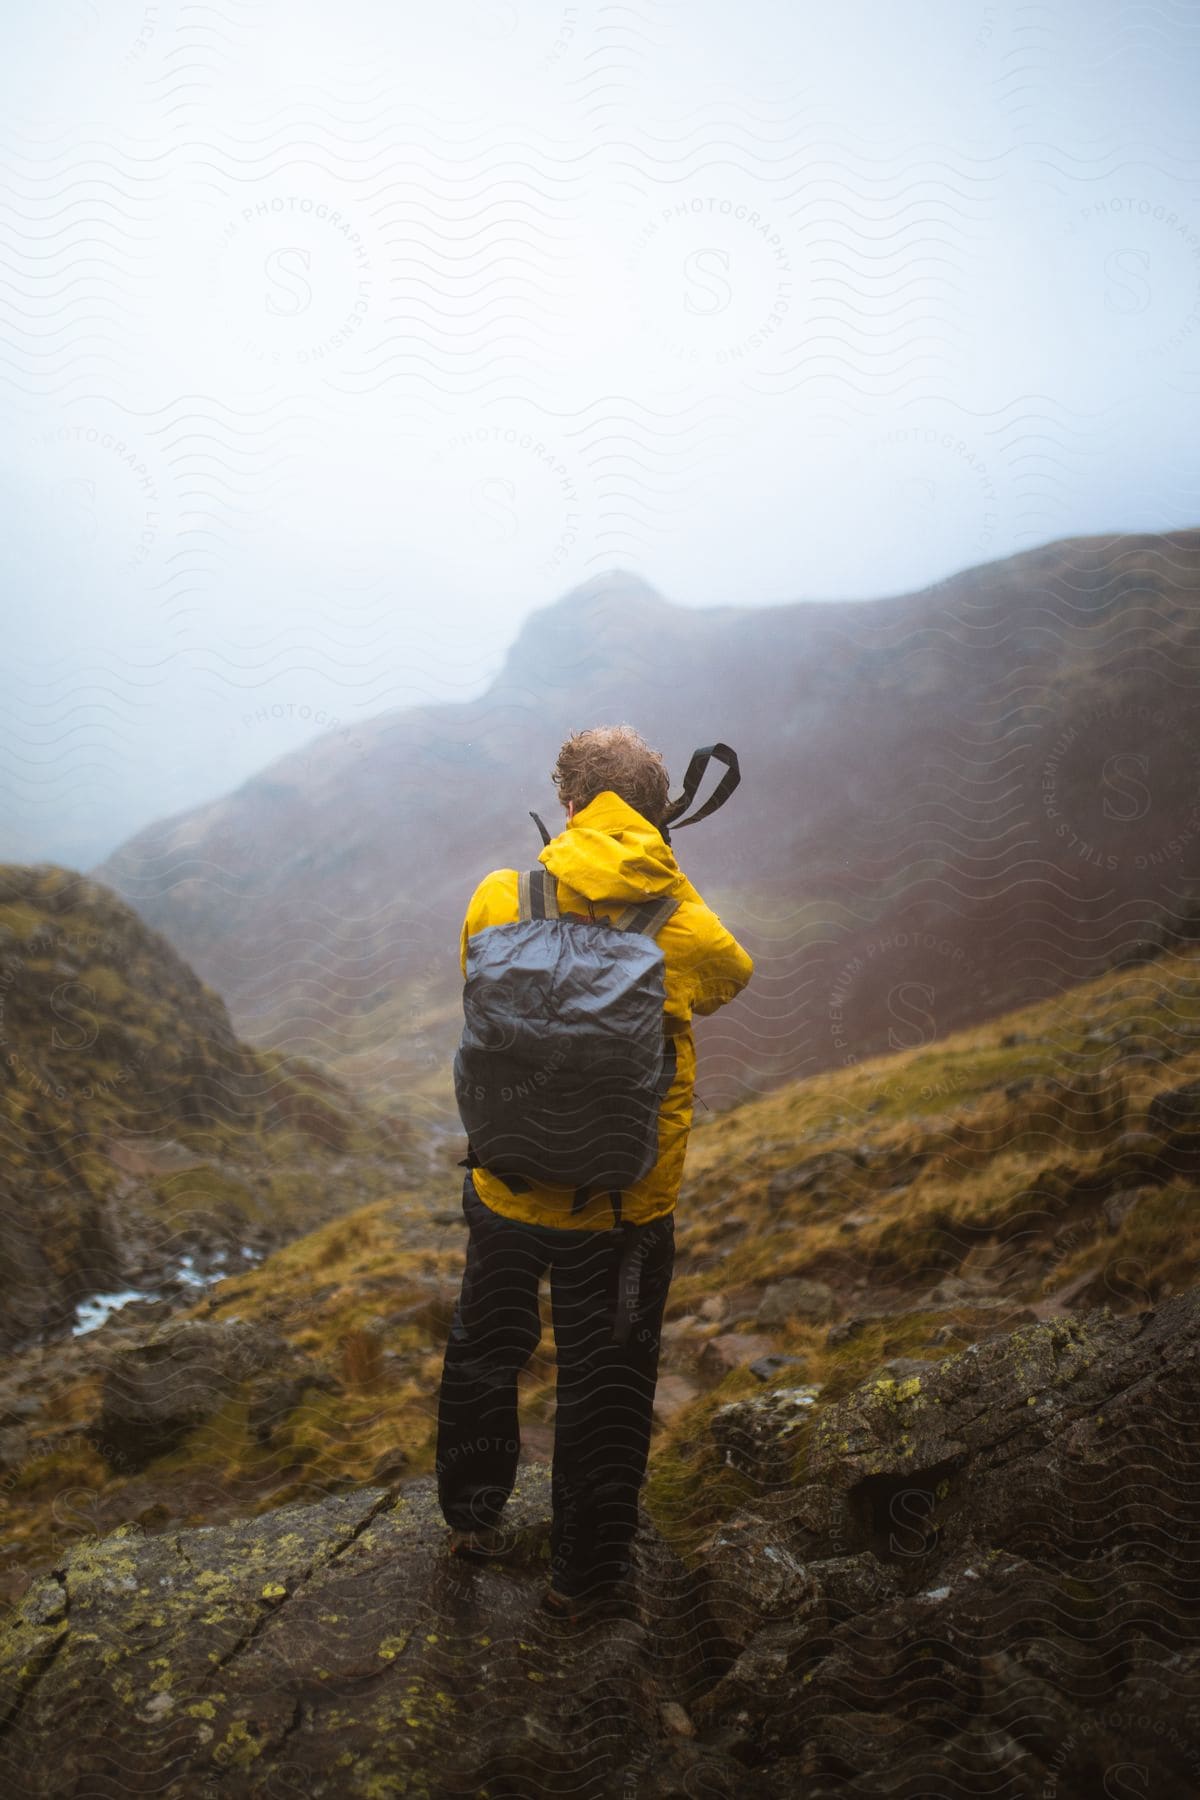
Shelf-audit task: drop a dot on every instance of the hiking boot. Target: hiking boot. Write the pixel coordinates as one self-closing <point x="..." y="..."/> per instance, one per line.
<point x="606" y="1600"/>
<point x="480" y="1544"/>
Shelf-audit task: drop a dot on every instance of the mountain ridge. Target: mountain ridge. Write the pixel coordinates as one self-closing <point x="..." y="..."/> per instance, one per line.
<point x="910" y="839"/>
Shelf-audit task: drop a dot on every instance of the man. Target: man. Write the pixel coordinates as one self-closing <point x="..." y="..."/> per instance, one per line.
<point x="609" y="1274"/>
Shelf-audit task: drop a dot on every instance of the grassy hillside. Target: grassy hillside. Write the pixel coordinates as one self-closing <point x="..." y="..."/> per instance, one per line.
<point x="133" y="1123"/>
<point x="1044" y="1163"/>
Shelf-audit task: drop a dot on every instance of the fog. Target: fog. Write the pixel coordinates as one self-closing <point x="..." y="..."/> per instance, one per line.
<point x="337" y="339"/>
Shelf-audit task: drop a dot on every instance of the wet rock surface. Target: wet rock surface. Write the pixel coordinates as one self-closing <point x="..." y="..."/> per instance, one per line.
<point x="978" y="1577"/>
<point x="1003" y="1521"/>
<point x="337" y="1649"/>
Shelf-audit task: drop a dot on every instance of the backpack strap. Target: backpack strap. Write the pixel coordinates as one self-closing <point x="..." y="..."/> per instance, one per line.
<point x="537" y="894"/>
<point x="646" y="916"/>
<point x="537" y="898"/>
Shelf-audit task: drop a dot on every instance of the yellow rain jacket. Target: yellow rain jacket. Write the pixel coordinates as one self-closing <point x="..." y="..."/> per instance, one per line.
<point x="611" y="855"/>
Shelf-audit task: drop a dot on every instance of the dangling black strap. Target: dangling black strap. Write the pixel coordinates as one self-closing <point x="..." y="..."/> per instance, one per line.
<point x="691" y="781"/>
<point x="583" y="1194"/>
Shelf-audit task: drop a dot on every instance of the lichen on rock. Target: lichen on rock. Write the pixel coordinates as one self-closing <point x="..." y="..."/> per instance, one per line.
<point x="950" y="1588"/>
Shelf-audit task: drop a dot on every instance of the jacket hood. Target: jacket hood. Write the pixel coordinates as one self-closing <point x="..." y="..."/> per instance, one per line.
<point x="610" y="852"/>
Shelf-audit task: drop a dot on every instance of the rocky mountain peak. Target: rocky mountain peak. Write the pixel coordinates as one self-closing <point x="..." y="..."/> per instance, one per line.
<point x="587" y="632"/>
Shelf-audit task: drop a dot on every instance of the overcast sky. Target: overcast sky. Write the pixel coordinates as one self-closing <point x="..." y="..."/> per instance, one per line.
<point x="338" y="338"/>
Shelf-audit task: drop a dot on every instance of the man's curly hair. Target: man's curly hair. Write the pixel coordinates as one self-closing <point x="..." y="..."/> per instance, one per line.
<point x="616" y="757"/>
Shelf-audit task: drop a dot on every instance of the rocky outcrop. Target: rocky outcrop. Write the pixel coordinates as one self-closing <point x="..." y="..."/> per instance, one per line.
<point x="797" y="1299"/>
<point x="979" y="1577"/>
<point x="158" y="1386"/>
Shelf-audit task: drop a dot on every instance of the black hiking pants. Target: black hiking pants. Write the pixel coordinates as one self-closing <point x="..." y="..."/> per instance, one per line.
<point x="607" y="1294"/>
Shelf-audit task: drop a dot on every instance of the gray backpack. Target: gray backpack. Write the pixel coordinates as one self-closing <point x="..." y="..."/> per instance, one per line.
<point x="564" y="1060"/>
